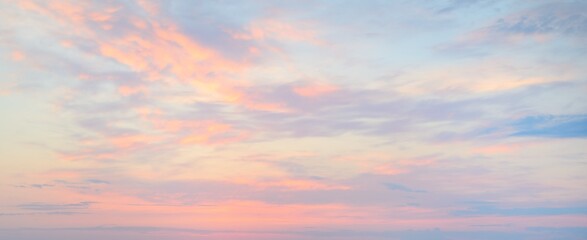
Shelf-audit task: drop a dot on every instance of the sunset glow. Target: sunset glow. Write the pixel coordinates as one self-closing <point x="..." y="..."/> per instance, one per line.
<point x="358" y="120"/>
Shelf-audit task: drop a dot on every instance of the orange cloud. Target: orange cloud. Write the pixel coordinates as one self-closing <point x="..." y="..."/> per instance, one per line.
<point x="150" y="7"/>
<point x="167" y="50"/>
<point x="275" y="29"/>
<point x="74" y="13"/>
<point x="105" y="15"/>
<point x="158" y="50"/>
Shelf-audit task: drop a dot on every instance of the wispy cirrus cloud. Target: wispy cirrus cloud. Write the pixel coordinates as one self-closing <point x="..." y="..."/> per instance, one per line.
<point x="54" y="207"/>
<point x="290" y="120"/>
<point x="543" y="22"/>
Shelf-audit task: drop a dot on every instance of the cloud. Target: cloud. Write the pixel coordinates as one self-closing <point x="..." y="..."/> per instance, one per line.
<point x="152" y="233"/>
<point x="290" y="120"/>
<point x="490" y="209"/>
<point x="97" y="181"/>
<point x="565" y="18"/>
<point x="402" y="188"/>
<point x="156" y="50"/>
<point x="36" y="185"/>
<point x="297" y="185"/>
<point x="273" y="29"/>
<point x="315" y="90"/>
<point x="62" y="213"/>
<point x="55" y="207"/>
<point x="17" y="56"/>
<point x="549" y="21"/>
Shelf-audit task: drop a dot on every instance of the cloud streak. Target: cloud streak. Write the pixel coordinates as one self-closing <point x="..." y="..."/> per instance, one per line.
<point x="290" y="120"/>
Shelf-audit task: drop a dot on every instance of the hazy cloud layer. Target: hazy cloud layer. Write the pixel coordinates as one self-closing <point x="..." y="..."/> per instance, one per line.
<point x="293" y="119"/>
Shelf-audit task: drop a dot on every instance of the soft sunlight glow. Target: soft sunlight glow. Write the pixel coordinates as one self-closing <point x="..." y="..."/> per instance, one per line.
<point x="288" y="119"/>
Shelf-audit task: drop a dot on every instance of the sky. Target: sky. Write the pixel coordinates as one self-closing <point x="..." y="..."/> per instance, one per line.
<point x="329" y="120"/>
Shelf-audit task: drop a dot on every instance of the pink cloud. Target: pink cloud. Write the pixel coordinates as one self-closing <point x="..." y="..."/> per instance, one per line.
<point x="315" y="90"/>
<point x="276" y="29"/>
<point x="155" y="49"/>
<point x="128" y="141"/>
<point x="131" y="90"/>
<point x="207" y="132"/>
<point x="293" y="184"/>
<point x="389" y="169"/>
<point x="214" y="133"/>
<point x="507" y="148"/>
<point x="17" y="56"/>
<point x="401" y="166"/>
